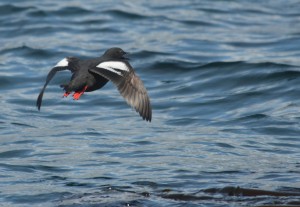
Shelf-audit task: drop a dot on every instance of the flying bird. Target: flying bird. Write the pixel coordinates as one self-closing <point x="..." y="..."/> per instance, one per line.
<point x="92" y="74"/>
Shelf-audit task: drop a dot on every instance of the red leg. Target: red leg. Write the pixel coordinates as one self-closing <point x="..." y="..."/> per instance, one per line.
<point x="77" y="94"/>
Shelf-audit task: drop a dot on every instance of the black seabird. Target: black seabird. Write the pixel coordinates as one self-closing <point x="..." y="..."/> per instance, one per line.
<point x="92" y="74"/>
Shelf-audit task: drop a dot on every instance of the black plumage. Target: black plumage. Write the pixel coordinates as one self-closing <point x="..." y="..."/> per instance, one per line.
<point x="93" y="74"/>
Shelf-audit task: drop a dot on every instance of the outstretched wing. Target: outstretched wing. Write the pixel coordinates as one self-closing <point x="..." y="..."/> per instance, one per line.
<point x="61" y="65"/>
<point x="129" y="85"/>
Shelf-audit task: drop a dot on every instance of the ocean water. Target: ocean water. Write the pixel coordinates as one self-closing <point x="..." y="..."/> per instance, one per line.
<point x="224" y="83"/>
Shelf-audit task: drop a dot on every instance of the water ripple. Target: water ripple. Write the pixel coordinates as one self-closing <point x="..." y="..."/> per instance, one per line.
<point x="223" y="80"/>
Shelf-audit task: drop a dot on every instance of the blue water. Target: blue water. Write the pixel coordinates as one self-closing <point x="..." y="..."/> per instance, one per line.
<point x="224" y="82"/>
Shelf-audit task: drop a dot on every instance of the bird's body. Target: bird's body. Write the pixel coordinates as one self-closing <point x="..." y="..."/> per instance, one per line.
<point x="93" y="74"/>
<point x="82" y="77"/>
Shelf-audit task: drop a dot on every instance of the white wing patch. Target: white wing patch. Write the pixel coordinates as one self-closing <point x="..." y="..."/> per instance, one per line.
<point x="113" y="65"/>
<point x="63" y="63"/>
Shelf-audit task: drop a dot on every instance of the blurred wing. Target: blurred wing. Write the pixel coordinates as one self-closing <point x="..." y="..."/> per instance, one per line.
<point x="61" y="65"/>
<point x="129" y="85"/>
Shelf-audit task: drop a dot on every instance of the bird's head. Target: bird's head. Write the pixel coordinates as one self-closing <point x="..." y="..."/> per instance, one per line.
<point x="117" y="53"/>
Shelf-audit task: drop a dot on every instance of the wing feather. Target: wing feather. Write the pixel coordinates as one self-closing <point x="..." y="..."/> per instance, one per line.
<point x="61" y="65"/>
<point x="128" y="84"/>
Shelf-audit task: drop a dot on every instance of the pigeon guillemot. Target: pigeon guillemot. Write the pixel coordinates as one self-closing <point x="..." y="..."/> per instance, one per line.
<point x="90" y="75"/>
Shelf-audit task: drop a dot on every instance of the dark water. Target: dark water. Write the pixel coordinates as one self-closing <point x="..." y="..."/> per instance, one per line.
<point x="224" y="81"/>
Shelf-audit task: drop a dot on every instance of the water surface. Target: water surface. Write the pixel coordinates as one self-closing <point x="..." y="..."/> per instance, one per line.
<point x="223" y="78"/>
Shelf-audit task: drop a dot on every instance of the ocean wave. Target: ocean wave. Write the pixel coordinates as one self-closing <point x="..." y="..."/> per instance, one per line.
<point x="223" y="82"/>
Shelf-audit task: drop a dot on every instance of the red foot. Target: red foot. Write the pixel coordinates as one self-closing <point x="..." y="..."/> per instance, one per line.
<point x="77" y="94"/>
<point x="66" y="94"/>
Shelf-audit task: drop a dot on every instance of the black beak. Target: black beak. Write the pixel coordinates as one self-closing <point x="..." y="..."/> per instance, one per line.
<point x="126" y="56"/>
